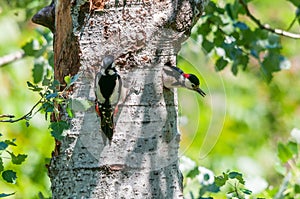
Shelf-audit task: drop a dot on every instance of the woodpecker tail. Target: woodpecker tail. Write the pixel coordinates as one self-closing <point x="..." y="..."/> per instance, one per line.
<point x="107" y="123"/>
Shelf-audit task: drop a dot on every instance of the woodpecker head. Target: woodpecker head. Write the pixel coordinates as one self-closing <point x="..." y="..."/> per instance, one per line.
<point x="192" y="82"/>
<point x="108" y="65"/>
<point x="108" y="62"/>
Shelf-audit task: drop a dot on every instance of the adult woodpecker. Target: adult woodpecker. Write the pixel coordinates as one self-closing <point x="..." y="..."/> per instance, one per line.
<point x="174" y="77"/>
<point x="108" y="86"/>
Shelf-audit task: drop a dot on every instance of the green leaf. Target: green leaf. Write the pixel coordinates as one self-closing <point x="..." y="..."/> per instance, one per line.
<point x="193" y="173"/>
<point x="38" y="71"/>
<point x="9" y="176"/>
<point x="69" y="111"/>
<point x="221" y="180"/>
<point x="48" y="107"/>
<point x="33" y="87"/>
<point x="1" y="165"/>
<point x="284" y="153"/>
<point x="3" y="146"/>
<point x="51" y="58"/>
<point x="51" y="95"/>
<point x="204" y="29"/>
<point x="246" y="191"/>
<point x="241" y="25"/>
<point x="270" y="64"/>
<point x="11" y="142"/>
<point x="67" y="79"/>
<point x="58" y="128"/>
<point x="29" y="48"/>
<point x="295" y="2"/>
<point x="17" y="159"/>
<point x="236" y="175"/>
<point x="3" y="195"/>
<point x="297" y="188"/>
<point x="218" y="38"/>
<point x="293" y="146"/>
<point x="207" y="45"/>
<point x="221" y="64"/>
<point x="46" y="81"/>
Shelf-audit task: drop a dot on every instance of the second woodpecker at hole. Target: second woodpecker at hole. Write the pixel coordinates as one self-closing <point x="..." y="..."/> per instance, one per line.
<point x="174" y="77"/>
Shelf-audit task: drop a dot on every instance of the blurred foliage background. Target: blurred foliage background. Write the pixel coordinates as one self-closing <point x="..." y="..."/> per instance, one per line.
<point x="17" y="99"/>
<point x="235" y="127"/>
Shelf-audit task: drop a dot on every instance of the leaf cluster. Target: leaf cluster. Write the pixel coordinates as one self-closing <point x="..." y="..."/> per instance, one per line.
<point x="9" y="175"/>
<point x="230" y="40"/>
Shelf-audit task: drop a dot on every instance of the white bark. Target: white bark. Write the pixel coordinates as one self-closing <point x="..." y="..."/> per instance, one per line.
<point x="142" y="160"/>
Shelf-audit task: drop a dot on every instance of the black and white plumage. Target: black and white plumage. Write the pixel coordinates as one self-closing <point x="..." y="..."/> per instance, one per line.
<point x="174" y="77"/>
<point x="108" y="86"/>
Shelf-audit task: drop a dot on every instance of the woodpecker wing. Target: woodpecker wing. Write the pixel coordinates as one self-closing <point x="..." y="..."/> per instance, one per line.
<point x="99" y="96"/>
<point x="115" y="97"/>
<point x="172" y="77"/>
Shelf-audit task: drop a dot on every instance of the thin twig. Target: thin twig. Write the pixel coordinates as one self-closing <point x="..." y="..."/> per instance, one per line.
<point x="6" y="59"/>
<point x="266" y="26"/>
<point x="23" y="117"/>
<point x="7" y="115"/>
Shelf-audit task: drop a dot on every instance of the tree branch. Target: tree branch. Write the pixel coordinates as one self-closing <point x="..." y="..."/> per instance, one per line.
<point x="6" y="59"/>
<point x="21" y="118"/>
<point x="266" y="26"/>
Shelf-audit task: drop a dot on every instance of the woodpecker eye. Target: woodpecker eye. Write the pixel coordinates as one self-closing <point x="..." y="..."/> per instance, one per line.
<point x="193" y="85"/>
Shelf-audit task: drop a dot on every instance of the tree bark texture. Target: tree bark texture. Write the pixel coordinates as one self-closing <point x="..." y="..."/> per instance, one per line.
<point x="142" y="159"/>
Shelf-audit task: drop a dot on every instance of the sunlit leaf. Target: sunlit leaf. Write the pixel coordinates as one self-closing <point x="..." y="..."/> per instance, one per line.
<point x="17" y="159"/>
<point x="57" y="129"/>
<point x="284" y="153"/>
<point x="293" y="147"/>
<point x="3" y="195"/>
<point x="11" y="142"/>
<point x="51" y="95"/>
<point x="297" y="188"/>
<point x="34" y="87"/>
<point x="271" y="64"/>
<point x="38" y="71"/>
<point x="241" y="25"/>
<point x="221" y="180"/>
<point x="295" y="2"/>
<point x="236" y="175"/>
<point x="67" y="79"/>
<point x="207" y="45"/>
<point x="9" y="176"/>
<point x="193" y="173"/>
<point x="221" y="64"/>
<point x="3" y="145"/>
<point x="29" y="48"/>
<point x="246" y="191"/>
<point x="1" y="165"/>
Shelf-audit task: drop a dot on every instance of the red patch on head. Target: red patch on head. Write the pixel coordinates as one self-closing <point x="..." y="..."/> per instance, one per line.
<point x="186" y="75"/>
<point x="97" y="109"/>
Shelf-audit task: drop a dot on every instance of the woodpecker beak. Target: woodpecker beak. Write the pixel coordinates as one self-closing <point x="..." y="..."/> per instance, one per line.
<point x="201" y="92"/>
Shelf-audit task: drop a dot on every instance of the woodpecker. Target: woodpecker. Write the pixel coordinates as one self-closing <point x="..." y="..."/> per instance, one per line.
<point x="108" y="86"/>
<point x="174" y="77"/>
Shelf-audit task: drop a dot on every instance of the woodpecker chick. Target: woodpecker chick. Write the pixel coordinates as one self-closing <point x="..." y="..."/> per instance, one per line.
<point x="108" y="86"/>
<point x="174" y="77"/>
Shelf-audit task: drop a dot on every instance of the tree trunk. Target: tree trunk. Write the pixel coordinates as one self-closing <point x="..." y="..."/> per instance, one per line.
<point x="142" y="159"/>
